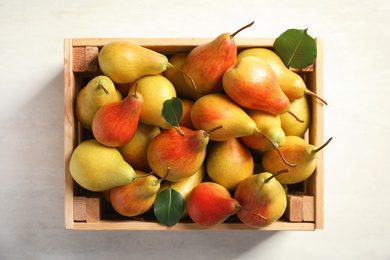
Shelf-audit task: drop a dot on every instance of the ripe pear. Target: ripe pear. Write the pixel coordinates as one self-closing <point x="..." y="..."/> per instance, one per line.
<point x="269" y="124"/>
<point x="185" y="119"/>
<point x="96" y="167"/>
<point x="181" y="155"/>
<point x="185" y="186"/>
<point x="262" y="198"/>
<point x="115" y="123"/>
<point x="252" y="83"/>
<point x="217" y="109"/>
<point x="296" y="150"/>
<point x="125" y="62"/>
<point x="99" y="91"/>
<point x="155" y="89"/>
<point x="291" y="83"/>
<point x="135" y="151"/>
<point x="183" y="89"/>
<point x="229" y="162"/>
<point x="210" y="203"/>
<point x="300" y="108"/>
<point x="137" y="197"/>
<point x="207" y="62"/>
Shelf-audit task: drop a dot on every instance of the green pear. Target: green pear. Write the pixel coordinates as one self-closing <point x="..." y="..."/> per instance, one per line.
<point x="270" y="125"/>
<point x="301" y="109"/>
<point x="291" y="83"/>
<point x="206" y="63"/>
<point x="96" y="167"/>
<point x="263" y="200"/>
<point x="135" y="151"/>
<point x="135" y="198"/>
<point x="229" y="162"/>
<point x="99" y="91"/>
<point x="252" y="84"/>
<point x="155" y="89"/>
<point x="125" y="62"/>
<point x="295" y="150"/>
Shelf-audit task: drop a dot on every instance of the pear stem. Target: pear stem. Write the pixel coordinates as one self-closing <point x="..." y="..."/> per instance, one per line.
<point x="276" y="174"/>
<point x="311" y="93"/>
<point x="321" y="147"/>
<point x="213" y="129"/>
<point x="253" y="213"/>
<point x="166" y="174"/>
<point x="135" y="89"/>
<point x="276" y="147"/>
<point x="170" y="65"/>
<point x="239" y="30"/>
<point x="178" y="129"/>
<point x="104" y="89"/>
<point x="295" y="116"/>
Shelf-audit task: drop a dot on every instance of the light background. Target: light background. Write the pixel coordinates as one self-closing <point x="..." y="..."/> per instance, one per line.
<point x="357" y="88"/>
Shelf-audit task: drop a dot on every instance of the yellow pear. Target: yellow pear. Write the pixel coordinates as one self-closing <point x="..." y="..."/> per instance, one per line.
<point x="125" y="62"/>
<point x="135" y="151"/>
<point x="99" y="91"/>
<point x="186" y="117"/>
<point x="229" y="162"/>
<point x="300" y="108"/>
<point x="155" y="89"/>
<point x="96" y="167"/>
<point x="298" y="151"/>
<point x="185" y="186"/>
<point x="269" y="124"/>
<point x="137" y="197"/>
<point x="291" y="83"/>
<point x="183" y="89"/>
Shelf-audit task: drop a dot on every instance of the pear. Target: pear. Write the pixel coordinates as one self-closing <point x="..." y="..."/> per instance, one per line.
<point x="181" y="155"/>
<point x="125" y="62"/>
<point x="183" y="89"/>
<point x="210" y="203"/>
<point x="298" y="151"/>
<point x="291" y="83"/>
<point x="96" y="167"/>
<point x="300" y="108"/>
<point x="270" y="125"/>
<point x="207" y="62"/>
<point x="252" y="83"/>
<point x="99" y="91"/>
<point x="217" y="109"/>
<point x="229" y="162"/>
<point x="263" y="200"/>
<point x="155" y="89"/>
<point x="135" y="198"/>
<point x="135" y="151"/>
<point x="115" y="124"/>
<point x="185" y="186"/>
<point x="185" y="119"/>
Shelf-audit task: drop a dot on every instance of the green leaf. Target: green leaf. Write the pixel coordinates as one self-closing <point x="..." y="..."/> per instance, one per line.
<point x="172" y="111"/>
<point x="296" y="48"/>
<point x="169" y="207"/>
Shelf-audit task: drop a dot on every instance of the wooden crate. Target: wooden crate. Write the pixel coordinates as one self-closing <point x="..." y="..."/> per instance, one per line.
<point x="88" y="211"/>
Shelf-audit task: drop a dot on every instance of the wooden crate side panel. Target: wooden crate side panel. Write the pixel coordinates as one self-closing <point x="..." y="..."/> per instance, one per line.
<point x="69" y="129"/>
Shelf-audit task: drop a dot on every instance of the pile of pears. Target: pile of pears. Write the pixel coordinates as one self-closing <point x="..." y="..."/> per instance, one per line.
<point x="237" y="146"/>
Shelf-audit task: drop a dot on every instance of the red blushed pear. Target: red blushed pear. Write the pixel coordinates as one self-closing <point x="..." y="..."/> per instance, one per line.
<point x="263" y="200"/>
<point x="182" y="154"/>
<point x="207" y="62"/>
<point x="210" y="203"/>
<point x="116" y="123"/>
<point x="252" y="83"/>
